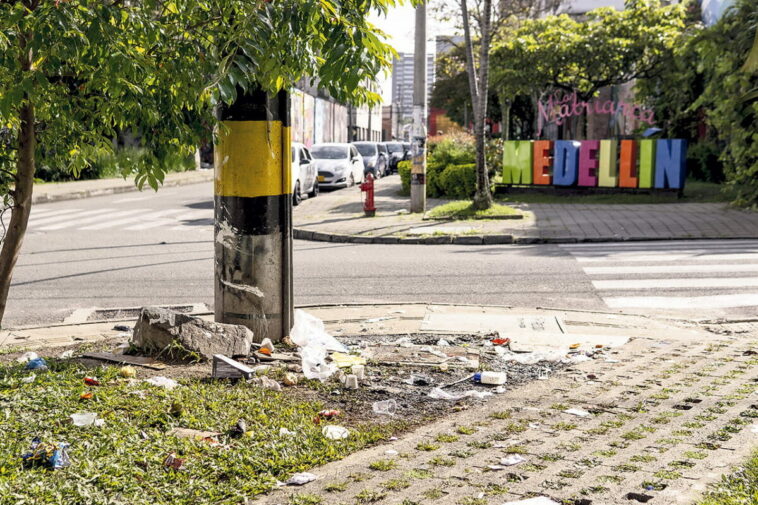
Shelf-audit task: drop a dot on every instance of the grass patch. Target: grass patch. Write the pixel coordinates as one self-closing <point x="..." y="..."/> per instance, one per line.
<point x="433" y="494"/>
<point x="419" y="473"/>
<point x="466" y="430"/>
<point x="369" y="496"/>
<point x="396" y="484"/>
<point x="694" y="191"/>
<point x="335" y="487"/>
<point x="503" y="414"/>
<point x="736" y="488"/>
<point x="425" y="446"/>
<point x="463" y="209"/>
<point x="440" y="461"/>
<point x="117" y="460"/>
<point x="383" y="465"/>
<point x="305" y="499"/>
<point x="446" y="438"/>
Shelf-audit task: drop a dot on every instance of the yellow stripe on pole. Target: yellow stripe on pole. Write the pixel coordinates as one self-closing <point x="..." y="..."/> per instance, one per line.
<point x="253" y="159"/>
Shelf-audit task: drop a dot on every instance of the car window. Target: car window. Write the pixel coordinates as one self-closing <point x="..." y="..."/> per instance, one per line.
<point x="353" y="152"/>
<point x="382" y="149"/>
<point x="366" y="149"/>
<point x="303" y="154"/>
<point x="293" y="155"/>
<point x="329" y="152"/>
<point x="395" y="148"/>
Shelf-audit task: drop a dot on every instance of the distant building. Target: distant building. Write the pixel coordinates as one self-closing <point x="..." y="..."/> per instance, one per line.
<point x="390" y="125"/>
<point x="402" y="85"/>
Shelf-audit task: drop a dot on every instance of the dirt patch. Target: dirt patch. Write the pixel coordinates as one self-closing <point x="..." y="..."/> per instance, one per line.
<point x="408" y="385"/>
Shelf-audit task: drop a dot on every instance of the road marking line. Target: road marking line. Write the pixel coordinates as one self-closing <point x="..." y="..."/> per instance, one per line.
<point x="620" y="258"/>
<point x="49" y="220"/>
<point x="653" y="244"/>
<point x="144" y="217"/>
<point x="666" y="269"/>
<point x="95" y="219"/>
<point x="712" y="282"/>
<point x="683" y="302"/>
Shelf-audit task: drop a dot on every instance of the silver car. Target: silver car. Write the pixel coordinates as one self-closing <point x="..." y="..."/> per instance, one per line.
<point x="339" y="165"/>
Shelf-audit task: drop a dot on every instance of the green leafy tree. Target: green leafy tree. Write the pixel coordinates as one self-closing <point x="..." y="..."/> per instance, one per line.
<point x="74" y="72"/>
<point x="607" y="47"/>
<point x="726" y="58"/>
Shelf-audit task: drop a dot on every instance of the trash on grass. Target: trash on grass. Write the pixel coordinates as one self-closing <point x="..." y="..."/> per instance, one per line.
<point x="343" y="360"/>
<point x="512" y="459"/>
<point x="543" y="374"/>
<point x="163" y="382"/>
<point x="494" y="378"/>
<point x="577" y="412"/>
<point x="334" y="432"/>
<point x="359" y="371"/>
<point x="299" y="479"/>
<point x="29" y="379"/>
<point x="91" y="381"/>
<point x="238" y="429"/>
<point x="173" y="461"/>
<point x="27" y="357"/>
<point x="440" y="394"/>
<point x="500" y="341"/>
<point x="290" y="379"/>
<point x="418" y="380"/>
<point x="206" y="436"/>
<point x="266" y="345"/>
<point x="314" y="363"/>
<point x="127" y="372"/>
<point x="227" y="368"/>
<point x="385" y="408"/>
<point x="351" y="381"/>
<point x="53" y="456"/>
<point x="67" y="354"/>
<point x="443" y="343"/>
<point x="327" y="415"/>
<point x="36" y="364"/>
<point x="85" y="419"/>
<point x="265" y="383"/>
<point x="284" y="432"/>
<point x="309" y="330"/>
<point x="86" y="396"/>
<point x="391" y="452"/>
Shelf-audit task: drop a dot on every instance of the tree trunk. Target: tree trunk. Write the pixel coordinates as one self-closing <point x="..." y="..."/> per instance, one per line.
<point x="483" y="196"/>
<point x="22" y="197"/>
<point x="24" y="182"/>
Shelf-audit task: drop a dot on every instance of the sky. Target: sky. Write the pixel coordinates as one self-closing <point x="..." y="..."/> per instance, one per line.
<point x="400" y="25"/>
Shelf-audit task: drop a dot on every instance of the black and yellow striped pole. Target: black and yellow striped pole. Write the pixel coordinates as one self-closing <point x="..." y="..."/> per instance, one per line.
<point x="253" y="214"/>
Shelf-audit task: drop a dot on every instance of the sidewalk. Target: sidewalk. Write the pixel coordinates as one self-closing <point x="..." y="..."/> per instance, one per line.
<point x="666" y="410"/>
<point x="74" y="190"/>
<point x="338" y="217"/>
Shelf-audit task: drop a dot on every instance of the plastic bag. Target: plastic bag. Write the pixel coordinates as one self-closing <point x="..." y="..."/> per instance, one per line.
<point x="334" y="432"/>
<point x="309" y="330"/>
<point x="299" y="479"/>
<point x="314" y="363"/>
<point x="52" y="456"/>
<point x="163" y="382"/>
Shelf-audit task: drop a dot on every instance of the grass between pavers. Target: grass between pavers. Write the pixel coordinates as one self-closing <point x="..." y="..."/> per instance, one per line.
<point x="123" y="460"/>
<point x="694" y="192"/>
<point x="463" y="209"/>
<point x="738" y="488"/>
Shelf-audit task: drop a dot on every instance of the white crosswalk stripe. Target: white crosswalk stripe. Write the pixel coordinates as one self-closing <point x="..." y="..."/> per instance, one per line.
<point x="690" y="275"/>
<point x="124" y="218"/>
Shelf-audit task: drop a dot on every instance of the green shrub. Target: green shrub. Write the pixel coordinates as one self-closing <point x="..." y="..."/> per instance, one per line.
<point x="453" y="149"/>
<point x="459" y="181"/>
<point x="703" y="163"/>
<point x="404" y="169"/>
<point x="120" y="163"/>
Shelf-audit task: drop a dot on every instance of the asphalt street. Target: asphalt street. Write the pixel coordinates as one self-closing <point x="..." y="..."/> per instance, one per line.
<point x="156" y="248"/>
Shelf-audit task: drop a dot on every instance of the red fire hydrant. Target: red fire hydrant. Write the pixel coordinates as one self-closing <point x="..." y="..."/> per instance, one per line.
<point x="367" y="186"/>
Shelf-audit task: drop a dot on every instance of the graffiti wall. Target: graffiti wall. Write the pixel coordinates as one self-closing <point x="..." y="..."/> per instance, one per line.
<point x="645" y="163"/>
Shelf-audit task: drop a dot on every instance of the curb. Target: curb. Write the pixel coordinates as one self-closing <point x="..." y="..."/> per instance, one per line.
<point x="113" y="190"/>
<point x="317" y="236"/>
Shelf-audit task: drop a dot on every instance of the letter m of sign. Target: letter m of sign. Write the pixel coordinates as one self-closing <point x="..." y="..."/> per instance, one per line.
<point x="517" y="162"/>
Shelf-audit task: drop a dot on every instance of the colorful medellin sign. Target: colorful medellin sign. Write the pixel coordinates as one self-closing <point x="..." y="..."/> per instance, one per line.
<point x="596" y="163"/>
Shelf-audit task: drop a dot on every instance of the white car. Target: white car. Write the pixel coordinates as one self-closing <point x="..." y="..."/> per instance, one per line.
<point x="339" y="165"/>
<point x="304" y="176"/>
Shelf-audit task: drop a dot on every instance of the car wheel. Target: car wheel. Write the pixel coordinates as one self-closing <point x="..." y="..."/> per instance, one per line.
<point x="314" y="192"/>
<point x="351" y="181"/>
<point x="296" y="196"/>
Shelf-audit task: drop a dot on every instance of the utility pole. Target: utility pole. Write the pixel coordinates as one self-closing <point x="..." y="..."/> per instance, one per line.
<point x="418" y="170"/>
<point x="253" y="214"/>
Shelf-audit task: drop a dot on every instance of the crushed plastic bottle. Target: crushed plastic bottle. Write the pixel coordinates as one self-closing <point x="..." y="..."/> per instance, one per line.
<point x="494" y="378"/>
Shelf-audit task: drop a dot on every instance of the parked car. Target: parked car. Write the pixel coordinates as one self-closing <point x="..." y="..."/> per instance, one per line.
<point x="396" y="155"/>
<point x="304" y="176"/>
<point x="374" y="158"/>
<point x="408" y="150"/>
<point x="339" y="165"/>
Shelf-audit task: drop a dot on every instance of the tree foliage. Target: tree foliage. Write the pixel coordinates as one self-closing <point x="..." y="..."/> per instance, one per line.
<point x="75" y="72"/>
<point x="605" y="48"/>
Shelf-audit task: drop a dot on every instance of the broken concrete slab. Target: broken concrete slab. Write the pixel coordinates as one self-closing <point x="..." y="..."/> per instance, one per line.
<point x="157" y="329"/>
<point x="227" y="368"/>
<point x="144" y="361"/>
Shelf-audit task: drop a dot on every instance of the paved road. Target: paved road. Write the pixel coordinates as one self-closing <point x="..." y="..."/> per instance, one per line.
<point x="136" y="249"/>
